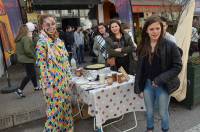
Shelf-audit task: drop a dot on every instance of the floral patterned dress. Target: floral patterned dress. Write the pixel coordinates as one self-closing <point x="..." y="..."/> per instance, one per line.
<point x="52" y="60"/>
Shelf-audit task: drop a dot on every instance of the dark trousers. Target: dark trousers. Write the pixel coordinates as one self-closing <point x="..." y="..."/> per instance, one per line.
<point x="30" y="75"/>
<point x="80" y="54"/>
<point x="69" y="57"/>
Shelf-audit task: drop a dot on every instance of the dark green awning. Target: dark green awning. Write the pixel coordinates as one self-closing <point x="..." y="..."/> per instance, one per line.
<point x="63" y="4"/>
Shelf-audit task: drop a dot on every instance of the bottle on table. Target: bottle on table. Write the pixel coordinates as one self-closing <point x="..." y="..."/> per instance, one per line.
<point x="73" y="63"/>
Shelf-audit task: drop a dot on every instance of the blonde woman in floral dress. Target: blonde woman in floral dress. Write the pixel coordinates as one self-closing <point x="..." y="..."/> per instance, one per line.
<point x="52" y="59"/>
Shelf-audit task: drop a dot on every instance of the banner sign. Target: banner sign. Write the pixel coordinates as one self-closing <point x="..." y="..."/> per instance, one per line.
<point x="13" y="11"/>
<point x="6" y="35"/>
<point x="2" y="10"/>
<point x="124" y="9"/>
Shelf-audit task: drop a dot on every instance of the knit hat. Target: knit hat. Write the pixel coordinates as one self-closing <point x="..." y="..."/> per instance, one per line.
<point x="30" y="26"/>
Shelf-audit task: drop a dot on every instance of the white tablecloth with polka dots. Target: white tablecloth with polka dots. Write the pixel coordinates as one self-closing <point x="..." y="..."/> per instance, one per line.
<point x="111" y="101"/>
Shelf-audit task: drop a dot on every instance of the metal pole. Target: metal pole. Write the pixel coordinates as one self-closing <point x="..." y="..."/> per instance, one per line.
<point x="8" y="89"/>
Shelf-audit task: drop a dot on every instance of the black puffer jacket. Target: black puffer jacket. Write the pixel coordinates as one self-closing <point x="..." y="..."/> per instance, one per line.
<point x="171" y="65"/>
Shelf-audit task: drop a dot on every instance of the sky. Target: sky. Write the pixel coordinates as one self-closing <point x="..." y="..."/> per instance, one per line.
<point x="197" y="4"/>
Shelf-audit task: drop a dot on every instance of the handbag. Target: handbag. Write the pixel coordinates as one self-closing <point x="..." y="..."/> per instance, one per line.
<point x="111" y="61"/>
<point x="13" y="59"/>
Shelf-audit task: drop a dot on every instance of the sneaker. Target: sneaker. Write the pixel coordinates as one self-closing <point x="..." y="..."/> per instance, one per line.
<point x="20" y="93"/>
<point x="37" y="88"/>
<point x="99" y="130"/>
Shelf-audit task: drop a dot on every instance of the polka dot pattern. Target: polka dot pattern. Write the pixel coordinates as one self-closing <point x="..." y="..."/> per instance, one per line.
<point x="112" y="101"/>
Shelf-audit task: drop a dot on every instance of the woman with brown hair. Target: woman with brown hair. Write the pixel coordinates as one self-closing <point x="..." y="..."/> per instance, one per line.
<point x="120" y="46"/>
<point x="159" y="63"/>
<point x="26" y="55"/>
<point x="52" y="60"/>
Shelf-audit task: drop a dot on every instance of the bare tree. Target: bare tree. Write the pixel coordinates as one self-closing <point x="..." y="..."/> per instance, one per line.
<point x="172" y="6"/>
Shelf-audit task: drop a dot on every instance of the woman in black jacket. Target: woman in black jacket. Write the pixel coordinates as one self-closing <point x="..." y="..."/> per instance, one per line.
<point x="159" y="63"/>
<point x="120" y="46"/>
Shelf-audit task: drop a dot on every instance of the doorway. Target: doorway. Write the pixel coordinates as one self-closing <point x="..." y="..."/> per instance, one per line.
<point x="74" y="22"/>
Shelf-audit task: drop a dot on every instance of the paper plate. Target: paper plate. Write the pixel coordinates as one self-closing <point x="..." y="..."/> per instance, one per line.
<point x="94" y="66"/>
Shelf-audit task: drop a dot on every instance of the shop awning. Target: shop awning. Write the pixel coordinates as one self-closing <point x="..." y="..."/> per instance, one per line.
<point x="63" y="4"/>
<point x="155" y="8"/>
<point x="150" y="2"/>
<point x="140" y="6"/>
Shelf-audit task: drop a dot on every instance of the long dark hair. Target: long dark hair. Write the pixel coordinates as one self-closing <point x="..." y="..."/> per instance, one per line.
<point x="118" y="23"/>
<point x="144" y="48"/>
<point x="23" y="31"/>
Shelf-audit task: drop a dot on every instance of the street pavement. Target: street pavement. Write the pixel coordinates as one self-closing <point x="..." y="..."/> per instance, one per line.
<point x="28" y="114"/>
<point x="181" y="120"/>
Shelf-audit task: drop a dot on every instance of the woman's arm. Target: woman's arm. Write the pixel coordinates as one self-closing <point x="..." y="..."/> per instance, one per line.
<point x="41" y="62"/>
<point x="129" y="48"/>
<point x="175" y="69"/>
<point x="138" y="76"/>
<point x="28" y="47"/>
<point x="110" y="49"/>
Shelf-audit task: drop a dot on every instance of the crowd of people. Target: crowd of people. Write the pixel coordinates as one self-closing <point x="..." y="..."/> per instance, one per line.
<point x="195" y="38"/>
<point x="155" y="62"/>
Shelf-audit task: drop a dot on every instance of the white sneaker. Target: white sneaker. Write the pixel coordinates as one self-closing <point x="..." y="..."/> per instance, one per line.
<point x="20" y="93"/>
<point x="37" y="88"/>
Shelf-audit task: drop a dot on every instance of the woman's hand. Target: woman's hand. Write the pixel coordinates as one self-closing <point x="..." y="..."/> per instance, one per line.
<point x="49" y="92"/>
<point x="141" y="95"/>
<point x="118" y="49"/>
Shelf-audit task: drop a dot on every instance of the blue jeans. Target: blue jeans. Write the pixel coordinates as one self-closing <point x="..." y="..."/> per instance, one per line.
<point x="151" y="97"/>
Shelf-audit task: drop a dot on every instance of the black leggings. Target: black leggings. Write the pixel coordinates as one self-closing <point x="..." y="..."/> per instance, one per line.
<point x="30" y="75"/>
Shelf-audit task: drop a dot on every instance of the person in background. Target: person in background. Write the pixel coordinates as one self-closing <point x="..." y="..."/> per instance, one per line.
<point x="35" y="35"/>
<point x="26" y="55"/>
<point x="194" y="40"/>
<point x="120" y="46"/>
<point x="86" y="39"/>
<point x="52" y="60"/>
<point x="91" y="35"/>
<point x="79" y="43"/>
<point x="61" y="34"/>
<point x="99" y="47"/>
<point x="159" y="63"/>
<point x="167" y="35"/>
<point x="69" y="36"/>
<point x="127" y="29"/>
